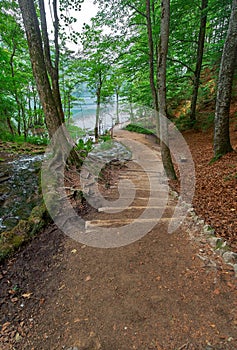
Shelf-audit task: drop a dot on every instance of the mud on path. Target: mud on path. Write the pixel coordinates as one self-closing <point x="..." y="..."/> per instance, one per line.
<point x="162" y="292"/>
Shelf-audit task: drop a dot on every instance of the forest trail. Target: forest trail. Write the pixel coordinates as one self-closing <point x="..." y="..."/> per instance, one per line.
<point x="162" y="292"/>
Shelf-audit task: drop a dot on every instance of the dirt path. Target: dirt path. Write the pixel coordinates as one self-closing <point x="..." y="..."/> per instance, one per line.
<point x="162" y="292"/>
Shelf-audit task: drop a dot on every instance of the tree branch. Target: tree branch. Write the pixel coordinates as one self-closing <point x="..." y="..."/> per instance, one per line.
<point x="183" y="64"/>
<point x="136" y="10"/>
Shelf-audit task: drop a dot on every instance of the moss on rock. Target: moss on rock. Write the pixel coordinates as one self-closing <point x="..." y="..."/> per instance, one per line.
<point x="23" y="231"/>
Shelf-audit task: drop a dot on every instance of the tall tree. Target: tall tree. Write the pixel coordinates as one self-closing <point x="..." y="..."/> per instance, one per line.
<point x="34" y="38"/>
<point x="151" y="46"/>
<point x="49" y="101"/>
<point x="52" y="68"/>
<point x="222" y="143"/>
<point x="15" y="67"/>
<point x="201" y="41"/>
<point x="162" y="59"/>
<point x="100" y="53"/>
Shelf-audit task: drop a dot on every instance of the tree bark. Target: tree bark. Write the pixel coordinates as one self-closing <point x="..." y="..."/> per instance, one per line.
<point x="162" y="59"/>
<point x="53" y="120"/>
<point x="52" y="70"/>
<point x="15" y="90"/>
<point x="151" y="55"/>
<point x="201" y="42"/>
<point x="9" y="124"/>
<point x="222" y="143"/>
<point x="62" y="141"/>
<point x="98" y="102"/>
<point x="117" y="105"/>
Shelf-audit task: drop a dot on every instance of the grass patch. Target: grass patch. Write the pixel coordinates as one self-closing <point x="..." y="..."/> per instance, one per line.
<point x="183" y="123"/>
<point x="106" y="145"/>
<point x="215" y="159"/>
<point x="139" y="129"/>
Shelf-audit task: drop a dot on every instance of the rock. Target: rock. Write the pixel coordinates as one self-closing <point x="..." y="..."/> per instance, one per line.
<point x="230" y="257"/>
<point x="86" y="342"/>
<point x="235" y="269"/>
<point x="156" y="299"/>
<point x="215" y="242"/>
<point x="23" y="231"/>
<point x="18" y="337"/>
<point x="208" y="230"/>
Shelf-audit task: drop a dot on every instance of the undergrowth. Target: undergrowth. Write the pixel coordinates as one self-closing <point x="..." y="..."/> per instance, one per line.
<point x="34" y="140"/>
<point x="139" y="129"/>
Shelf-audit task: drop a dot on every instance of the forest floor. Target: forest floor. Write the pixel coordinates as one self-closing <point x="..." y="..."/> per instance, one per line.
<point x="215" y="198"/>
<point x="163" y="292"/>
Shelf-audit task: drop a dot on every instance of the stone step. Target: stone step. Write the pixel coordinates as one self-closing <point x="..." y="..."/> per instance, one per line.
<point x="131" y="171"/>
<point x="157" y="190"/>
<point x="134" y="207"/>
<point x="142" y="176"/>
<point x="122" y="222"/>
<point x="117" y="222"/>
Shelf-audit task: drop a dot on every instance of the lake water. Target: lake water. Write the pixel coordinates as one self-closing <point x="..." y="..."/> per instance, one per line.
<point x="85" y="115"/>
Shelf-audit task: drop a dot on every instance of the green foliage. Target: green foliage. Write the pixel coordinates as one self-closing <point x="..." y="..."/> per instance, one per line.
<point x="231" y="177"/>
<point x="183" y="123"/>
<point x="105" y="137"/>
<point x="17" y="89"/>
<point x="84" y="147"/>
<point x="106" y="145"/>
<point x="208" y="122"/>
<point x="139" y="129"/>
<point x="34" y="140"/>
<point x="215" y="159"/>
<point x="24" y="231"/>
<point x="114" y="61"/>
<point x="75" y="132"/>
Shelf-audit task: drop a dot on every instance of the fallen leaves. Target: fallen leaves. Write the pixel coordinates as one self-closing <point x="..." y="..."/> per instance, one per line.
<point x="5" y="326"/>
<point x="215" y="198"/>
<point x="14" y="300"/>
<point x="61" y="287"/>
<point x="216" y="291"/>
<point x="27" y="295"/>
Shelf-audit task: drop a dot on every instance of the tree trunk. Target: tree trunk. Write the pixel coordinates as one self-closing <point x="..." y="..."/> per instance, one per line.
<point x="97" y="117"/>
<point x="131" y="112"/>
<point x="15" y="89"/>
<point x="151" y="55"/>
<point x="25" y="129"/>
<point x="62" y="140"/>
<point x="9" y="124"/>
<point x="30" y="114"/>
<point x="69" y="107"/>
<point x="162" y="58"/>
<point x="31" y="24"/>
<point x="201" y="41"/>
<point x="52" y="70"/>
<point x="222" y="143"/>
<point x="117" y="106"/>
<point x="98" y="102"/>
<point x="35" y="118"/>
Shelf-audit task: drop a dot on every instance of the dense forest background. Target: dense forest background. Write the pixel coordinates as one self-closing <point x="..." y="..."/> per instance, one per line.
<point x="115" y="57"/>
